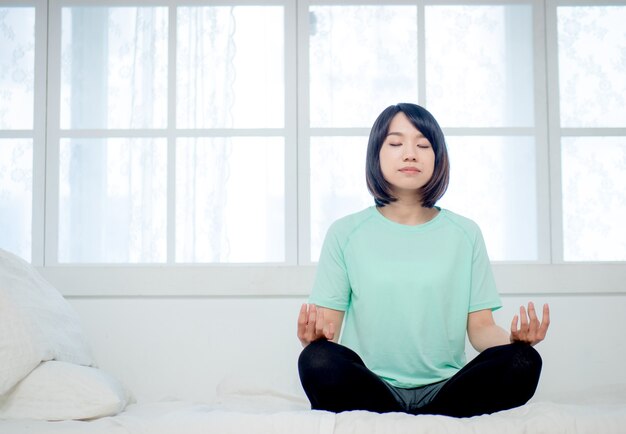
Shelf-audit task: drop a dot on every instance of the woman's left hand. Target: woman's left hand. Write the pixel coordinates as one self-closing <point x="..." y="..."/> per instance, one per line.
<point x="530" y="330"/>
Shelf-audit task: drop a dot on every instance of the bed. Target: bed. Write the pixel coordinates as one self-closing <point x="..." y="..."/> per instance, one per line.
<point x="50" y="383"/>
<point x="238" y="417"/>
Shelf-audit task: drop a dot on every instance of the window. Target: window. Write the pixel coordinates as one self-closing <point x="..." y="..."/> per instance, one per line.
<point x="472" y="67"/>
<point x="355" y="70"/>
<point x="171" y="144"/>
<point x="18" y="127"/>
<point x="592" y="102"/>
<point x="171" y="134"/>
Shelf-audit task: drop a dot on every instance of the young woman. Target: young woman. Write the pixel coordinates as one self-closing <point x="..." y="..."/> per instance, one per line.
<point x="403" y="282"/>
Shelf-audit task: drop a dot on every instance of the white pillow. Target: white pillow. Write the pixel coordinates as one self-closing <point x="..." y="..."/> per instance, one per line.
<point x="59" y="390"/>
<point x="36" y="323"/>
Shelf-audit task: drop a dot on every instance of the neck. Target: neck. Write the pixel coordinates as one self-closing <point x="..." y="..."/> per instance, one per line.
<point x="408" y="213"/>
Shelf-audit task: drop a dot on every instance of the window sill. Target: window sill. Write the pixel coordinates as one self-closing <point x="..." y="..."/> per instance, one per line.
<point x="296" y="281"/>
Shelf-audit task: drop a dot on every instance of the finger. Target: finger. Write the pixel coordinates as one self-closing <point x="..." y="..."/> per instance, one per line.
<point x="523" y="319"/>
<point x="329" y="331"/>
<point x="319" y="323"/>
<point x="514" y="329"/>
<point x="545" y="321"/>
<point x="310" y="326"/>
<point x="533" y="325"/>
<point x="532" y="314"/>
<point x="302" y="317"/>
<point x="312" y="314"/>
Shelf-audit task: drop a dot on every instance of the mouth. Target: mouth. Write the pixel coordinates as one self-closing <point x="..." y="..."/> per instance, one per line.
<point x="410" y="170"/>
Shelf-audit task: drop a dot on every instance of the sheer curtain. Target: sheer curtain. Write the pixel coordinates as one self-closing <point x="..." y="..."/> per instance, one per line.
<point x="125" y="139"/>
<point x="205" y="55"/>
<point x="113" y="203"/>
<point x="230" y="187"/>
<point x="592" y="81"/>
<point x="17" y="70"/>
<point x="477" y="80"/>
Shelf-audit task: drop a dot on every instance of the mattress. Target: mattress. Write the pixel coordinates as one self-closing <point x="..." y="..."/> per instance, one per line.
<point x="280" y="415"/>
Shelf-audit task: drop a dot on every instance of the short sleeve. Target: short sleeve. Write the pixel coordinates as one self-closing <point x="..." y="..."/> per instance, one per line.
<point x="483" y="292"/>
<point x="331" y="288"/>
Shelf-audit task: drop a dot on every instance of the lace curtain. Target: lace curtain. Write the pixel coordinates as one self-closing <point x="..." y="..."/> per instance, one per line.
<point x="17" y="70"/>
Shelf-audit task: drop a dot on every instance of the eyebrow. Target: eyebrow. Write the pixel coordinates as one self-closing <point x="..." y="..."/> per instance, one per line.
<point x="394" y="133"/>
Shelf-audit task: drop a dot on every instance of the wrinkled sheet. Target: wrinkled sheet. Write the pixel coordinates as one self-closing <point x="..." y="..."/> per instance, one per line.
<point x="182" y="418"/>
<point x="545" y="417"/>
<point x="188" y="418"/>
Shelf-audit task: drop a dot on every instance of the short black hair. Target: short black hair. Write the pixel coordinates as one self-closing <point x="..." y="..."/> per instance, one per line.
<point x="426" y="123"/>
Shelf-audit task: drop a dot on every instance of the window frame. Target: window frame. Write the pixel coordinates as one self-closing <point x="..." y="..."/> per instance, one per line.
<point x="549" y="275"/>
<point x="556" y="133"/>
<point x="38" y="132"/>
<point x="171" y="133"/>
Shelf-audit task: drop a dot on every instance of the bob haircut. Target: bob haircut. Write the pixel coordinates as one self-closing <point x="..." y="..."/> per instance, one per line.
<point x="428" y="126"/>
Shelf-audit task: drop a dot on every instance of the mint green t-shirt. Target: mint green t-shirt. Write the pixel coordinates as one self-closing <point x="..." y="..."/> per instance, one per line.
<point x="406" y="291"/>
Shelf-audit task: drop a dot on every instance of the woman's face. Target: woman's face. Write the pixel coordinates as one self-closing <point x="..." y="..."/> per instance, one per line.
<point x="407" y="158"/>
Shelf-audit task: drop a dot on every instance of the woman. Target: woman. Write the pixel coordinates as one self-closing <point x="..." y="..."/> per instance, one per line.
<point x="403" y="282"/>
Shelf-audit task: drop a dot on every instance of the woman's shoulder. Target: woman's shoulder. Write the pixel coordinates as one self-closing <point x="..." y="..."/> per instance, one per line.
<point x="467" y="225"/>
<point x="344" y="226"/>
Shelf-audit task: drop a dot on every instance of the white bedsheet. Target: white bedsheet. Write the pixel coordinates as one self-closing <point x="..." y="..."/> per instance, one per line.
<point x="188" y="418"/>
<point x="534" y="418"/>
<point x="183" y="418"/>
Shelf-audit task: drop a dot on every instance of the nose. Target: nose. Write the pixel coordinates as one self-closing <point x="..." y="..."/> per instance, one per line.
<point x="410" y="153"/>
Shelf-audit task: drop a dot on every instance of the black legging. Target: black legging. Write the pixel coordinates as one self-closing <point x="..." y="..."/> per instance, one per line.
<point x="335" y="379"/>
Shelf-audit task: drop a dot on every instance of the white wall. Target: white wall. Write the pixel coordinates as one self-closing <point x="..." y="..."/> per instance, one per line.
<point x="182" y="348"/>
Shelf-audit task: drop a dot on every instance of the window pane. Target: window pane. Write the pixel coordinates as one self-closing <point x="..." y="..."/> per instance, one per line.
<point x="114" y="67"/>
<point x="493" y="182"/>
<point x="355" y="68"/>
<point x="17" y="68"/>
<point x="592" y="71"/>
<point x="230" y="199"/>
<point x="230" y="67"/>
<point x="112" y="200"/>
<point x="16" y="195"/>
<point x="594" y="203"/>
<point x="479" y="65"/>
<point x="338" y="185"/>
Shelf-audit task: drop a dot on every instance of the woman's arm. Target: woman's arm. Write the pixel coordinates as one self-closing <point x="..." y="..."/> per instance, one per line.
<point x="483" y="332"/>
<point x="316" y="322"/>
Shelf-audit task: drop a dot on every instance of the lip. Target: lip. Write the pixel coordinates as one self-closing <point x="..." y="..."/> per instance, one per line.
<point x="410" y="169"/>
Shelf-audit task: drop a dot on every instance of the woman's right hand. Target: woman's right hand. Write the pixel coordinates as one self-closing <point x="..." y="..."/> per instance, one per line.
<point x="312" y="326"/>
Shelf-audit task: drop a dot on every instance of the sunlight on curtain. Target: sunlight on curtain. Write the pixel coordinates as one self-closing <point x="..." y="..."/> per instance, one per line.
<point x="230" y="199"/>
<point x="230" y="67"/>
<point x="493" y="182"/>
<point x="114" y="67"/>
<point x="125" y="220"/>
<point x="17" y="82"/>
<point x="594" y="202"/>
<point x="356" y="69"/>
<point x="592" y="77"/>
<point x="338" y="183"/>
<point x="17" y="68"/>
<point x="479" y="65"/>
<point x="592" y="66"/>
<point x="112" y="204"/>
<point x="230" y="192"/>
<point x="16" y="197"/>
<point x="479" y="73"/>
<point x="229" y="74"/>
